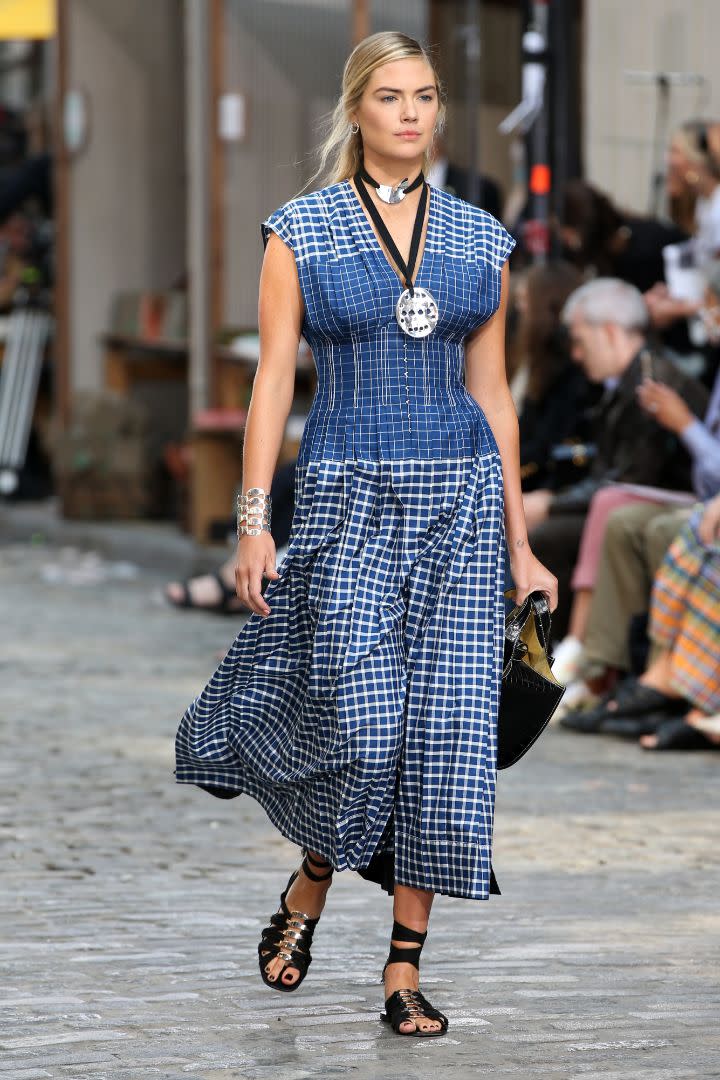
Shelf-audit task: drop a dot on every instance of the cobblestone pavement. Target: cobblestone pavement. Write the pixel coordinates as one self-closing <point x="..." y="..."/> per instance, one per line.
<point x="131" y="906"/>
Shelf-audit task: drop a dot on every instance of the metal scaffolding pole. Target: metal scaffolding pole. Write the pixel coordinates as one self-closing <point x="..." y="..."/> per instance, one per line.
<point x="471" y="35"/>
<point x="535" y="49"/>
<point x="564" y="136"/>
<point x="530" y="118"/>
<point x="199" y="125"/>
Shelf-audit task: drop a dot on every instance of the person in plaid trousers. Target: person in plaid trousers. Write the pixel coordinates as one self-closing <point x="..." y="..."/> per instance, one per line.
<point x="358" y="704"/>
<point x="684" y="631"/>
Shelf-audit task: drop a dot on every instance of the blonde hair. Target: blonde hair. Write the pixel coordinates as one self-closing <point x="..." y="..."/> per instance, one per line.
<point x="341" y="152"/>
<point x="699" y="142"/>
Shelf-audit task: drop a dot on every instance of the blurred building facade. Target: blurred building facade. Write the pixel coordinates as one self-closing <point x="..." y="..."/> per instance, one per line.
<point x="199" y="117"/>
<point x="126" y="187"/>
<point x="130" y="188"/>
<point x="156" y="194"/>
<point x="619" y="115"/>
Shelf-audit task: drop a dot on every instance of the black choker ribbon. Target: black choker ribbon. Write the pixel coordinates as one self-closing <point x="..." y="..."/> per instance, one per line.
<point x="403" y="186"/>
<point x="406" y="269"/>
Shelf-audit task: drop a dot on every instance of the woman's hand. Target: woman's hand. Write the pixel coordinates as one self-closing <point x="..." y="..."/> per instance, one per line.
<point x="665" y="309"/>
<point x="255" y="560"/>
<point x="709" y="527"/>
<point x="530" y="575"/>
<point x="664" y="405"/>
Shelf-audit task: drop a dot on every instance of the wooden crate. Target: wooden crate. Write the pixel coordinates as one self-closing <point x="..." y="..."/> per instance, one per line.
<point x="216" y="469"/>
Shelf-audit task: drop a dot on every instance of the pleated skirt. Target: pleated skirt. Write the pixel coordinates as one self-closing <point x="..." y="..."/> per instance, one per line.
<point x="362" y="712"/>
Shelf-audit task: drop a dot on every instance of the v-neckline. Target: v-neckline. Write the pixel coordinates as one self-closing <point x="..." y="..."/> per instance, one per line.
<point x="355" y="199"/>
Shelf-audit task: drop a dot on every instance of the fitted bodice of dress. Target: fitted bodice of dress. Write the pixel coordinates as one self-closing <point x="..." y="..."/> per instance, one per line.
<point x="411" y="404"/>
<point x="382" y="395"/>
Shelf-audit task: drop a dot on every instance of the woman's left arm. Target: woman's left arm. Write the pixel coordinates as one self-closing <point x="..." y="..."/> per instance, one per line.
<point x="486" y="380"/>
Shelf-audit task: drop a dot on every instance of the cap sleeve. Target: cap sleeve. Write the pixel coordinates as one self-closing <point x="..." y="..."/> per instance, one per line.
<point x="501" y="244"/>
<point x="280" y="222"/>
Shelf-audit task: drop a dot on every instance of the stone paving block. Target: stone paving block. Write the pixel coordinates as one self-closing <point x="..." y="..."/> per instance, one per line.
<point x="131" y="906"/>
<point x="25" y="1074"/>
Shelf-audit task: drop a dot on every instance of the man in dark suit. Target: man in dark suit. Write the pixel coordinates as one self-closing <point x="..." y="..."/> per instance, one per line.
<point x="456" y="180"/>
<point x="608" y="320"/>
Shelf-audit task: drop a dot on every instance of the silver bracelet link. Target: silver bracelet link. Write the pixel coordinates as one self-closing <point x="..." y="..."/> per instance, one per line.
<point x="253" y="512"/>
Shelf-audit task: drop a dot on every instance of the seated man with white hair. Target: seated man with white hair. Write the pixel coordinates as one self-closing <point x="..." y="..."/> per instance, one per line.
<point x="607" y="320"/>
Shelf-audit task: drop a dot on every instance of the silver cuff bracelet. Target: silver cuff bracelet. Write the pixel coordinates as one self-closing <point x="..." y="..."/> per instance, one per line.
<point x="253" y="512"/>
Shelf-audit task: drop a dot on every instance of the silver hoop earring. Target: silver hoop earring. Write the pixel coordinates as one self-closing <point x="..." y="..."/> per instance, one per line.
<point x="354" y="128"/>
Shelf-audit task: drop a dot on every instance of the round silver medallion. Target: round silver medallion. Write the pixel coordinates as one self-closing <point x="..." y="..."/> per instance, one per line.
<point x="417" y="315"/>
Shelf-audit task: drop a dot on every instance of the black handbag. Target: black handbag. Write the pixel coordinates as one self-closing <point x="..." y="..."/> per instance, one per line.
<point x="530" y="693"/>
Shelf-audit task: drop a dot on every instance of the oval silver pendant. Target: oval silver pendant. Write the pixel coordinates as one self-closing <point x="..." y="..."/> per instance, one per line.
<point x="417" y="315"/>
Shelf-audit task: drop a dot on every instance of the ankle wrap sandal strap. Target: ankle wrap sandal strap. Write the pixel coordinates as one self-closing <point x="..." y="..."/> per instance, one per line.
<point x="322" y="864"/>
<point x="408" y="1004"/>
<point x="405" y="956"/>
<point x="406" y="933"/>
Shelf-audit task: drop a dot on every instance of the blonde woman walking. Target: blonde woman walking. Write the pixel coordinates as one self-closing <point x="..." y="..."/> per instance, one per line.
<point x="358" y="704"/>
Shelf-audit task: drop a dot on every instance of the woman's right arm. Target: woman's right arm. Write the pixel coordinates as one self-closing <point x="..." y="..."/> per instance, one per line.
<point x="280" y="316"/>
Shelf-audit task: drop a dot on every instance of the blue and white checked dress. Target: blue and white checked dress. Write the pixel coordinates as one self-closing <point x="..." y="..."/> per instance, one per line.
<point x="362" y="712"/>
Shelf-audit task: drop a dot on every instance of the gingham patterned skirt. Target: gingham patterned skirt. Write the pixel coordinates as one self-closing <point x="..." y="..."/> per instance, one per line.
<point x="362" y="712"/>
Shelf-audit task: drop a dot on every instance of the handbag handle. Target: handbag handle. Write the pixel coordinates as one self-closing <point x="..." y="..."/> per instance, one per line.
<point x="516" y="619"/>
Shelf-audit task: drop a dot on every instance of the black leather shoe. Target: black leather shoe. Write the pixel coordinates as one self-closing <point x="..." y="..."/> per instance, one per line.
<point x="632" y="727"/>
<point x="675" y="734"/>
<point x="586" y="721"/>
<point x="630" y="699"/>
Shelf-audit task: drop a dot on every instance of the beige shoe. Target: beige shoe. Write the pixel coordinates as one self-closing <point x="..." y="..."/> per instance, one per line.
<point x="578" y="695"/>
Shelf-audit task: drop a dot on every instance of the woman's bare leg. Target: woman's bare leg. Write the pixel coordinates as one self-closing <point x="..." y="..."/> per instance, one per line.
<point x="411" y="907"/>
<point x="658" y="674"/>
<point x="204" y="590"/>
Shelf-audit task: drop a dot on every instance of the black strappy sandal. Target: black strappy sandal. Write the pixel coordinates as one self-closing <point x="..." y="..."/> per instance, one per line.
<point x="290" y="934"/>
<point x="404" y="1005"/>
<point x="674" y="733"/>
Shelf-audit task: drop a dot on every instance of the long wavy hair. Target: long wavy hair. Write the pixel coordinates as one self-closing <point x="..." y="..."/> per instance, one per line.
<point x="698" y="139"/>
<point x="341" y="152"/>
<point x="541" y="339"/>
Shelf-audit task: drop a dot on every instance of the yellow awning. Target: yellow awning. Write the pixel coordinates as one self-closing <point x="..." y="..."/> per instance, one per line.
<point x="21" y="19"/>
